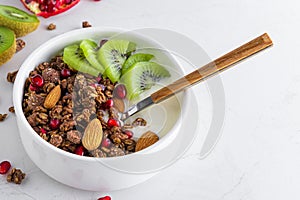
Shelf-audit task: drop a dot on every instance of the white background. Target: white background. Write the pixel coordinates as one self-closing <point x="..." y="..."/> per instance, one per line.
<point x="257" y="156"/>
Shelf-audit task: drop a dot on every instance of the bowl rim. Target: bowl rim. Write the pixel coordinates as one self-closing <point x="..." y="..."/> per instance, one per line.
<point x="19" y="87"/>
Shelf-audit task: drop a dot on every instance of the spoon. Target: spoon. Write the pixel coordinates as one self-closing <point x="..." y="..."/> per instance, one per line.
<point x="207" y="71"/>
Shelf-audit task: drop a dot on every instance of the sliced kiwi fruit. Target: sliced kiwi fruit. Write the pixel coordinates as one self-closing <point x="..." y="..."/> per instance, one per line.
<point x="138" y="57"/>
<point x="73" y="56"/>
<point x="142" y="76"/>
<point x="7" y="44"/>
<point x="90" y="49"/>
<point x="17" y="20"/>
<point x="112" y="56"/>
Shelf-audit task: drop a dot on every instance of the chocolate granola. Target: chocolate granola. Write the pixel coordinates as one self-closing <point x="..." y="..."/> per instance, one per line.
<point x="83" y="98"/>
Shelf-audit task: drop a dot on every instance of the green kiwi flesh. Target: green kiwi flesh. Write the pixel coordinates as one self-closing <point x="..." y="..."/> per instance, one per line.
<point x="18" y="20"/>
<point x="75" y="59"/>
<point x="138" y="57"/>
<point x="112" y="56"/>
<point x="142" y="76"/>
<point x="90" y="49"/>
<point x="7" y="44"/>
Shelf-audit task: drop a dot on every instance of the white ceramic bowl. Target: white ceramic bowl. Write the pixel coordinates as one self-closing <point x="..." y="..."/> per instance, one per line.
<point x="102" y="174"/>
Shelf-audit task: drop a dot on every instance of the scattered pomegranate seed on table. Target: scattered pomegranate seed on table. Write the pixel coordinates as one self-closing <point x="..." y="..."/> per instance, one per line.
<point x="4" y="167"/>
<point x="105" y="198"/>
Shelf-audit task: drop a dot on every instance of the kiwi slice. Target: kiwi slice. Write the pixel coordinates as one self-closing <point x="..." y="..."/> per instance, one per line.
<point x="112" y="56"/>
<point x="75" y="58"/>
<point x="7" y="44"/>
<point x="138" y="57"/>
<point x="142" y="76"/>
<point x="17" y="20"/>
<point x="90" y="49"/>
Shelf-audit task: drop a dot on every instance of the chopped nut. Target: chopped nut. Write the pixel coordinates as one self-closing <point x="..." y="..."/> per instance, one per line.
<point x="139" y="122"/>
<point x="86" y="24"/>
<point x="20" y="45"/>
<point x="11" y="109"/>
<point x="16" y="176"/>
<point x="11" y="76"/>
<point x="2" y="117"/>
<point x="51" y="27"/>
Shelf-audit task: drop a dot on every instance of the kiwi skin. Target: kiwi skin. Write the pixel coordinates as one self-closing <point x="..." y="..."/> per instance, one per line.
<point x="8" y="53"/>
<point x="21" y="28"/>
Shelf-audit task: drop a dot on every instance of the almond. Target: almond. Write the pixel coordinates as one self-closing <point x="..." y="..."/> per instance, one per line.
<point x="146" y="140"/>
<point x="93" y="134"/>
<point x="53" y="97"/>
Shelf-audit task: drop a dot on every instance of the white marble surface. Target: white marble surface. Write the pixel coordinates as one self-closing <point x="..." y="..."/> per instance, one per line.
<point x="257" y="156"/>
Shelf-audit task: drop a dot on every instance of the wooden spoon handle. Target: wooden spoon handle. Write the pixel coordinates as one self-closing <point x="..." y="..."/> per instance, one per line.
<point x="213" y="67"/>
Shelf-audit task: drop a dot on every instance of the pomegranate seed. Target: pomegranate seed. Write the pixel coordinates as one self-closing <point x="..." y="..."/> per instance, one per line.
<point x="79" y="151"/>
<point x="65" y="73"/>
<point x="68" y="1"/>
<point x="112" y="123"/>
<point x="4" y="167"/>
<point x="43" y="131"/>
<point x="28" y="1"/>
<point x="102" y="42"/>
<point x="120" y="91"/>
<point x="109" y="103"/>
<point x="129" y="133"/>
<point x="106" y="142"/>
<point x="37" y="80"/>
<point x="32" y="88"/>
<point x="54" y="124"/>
<point x="105" y="198"/>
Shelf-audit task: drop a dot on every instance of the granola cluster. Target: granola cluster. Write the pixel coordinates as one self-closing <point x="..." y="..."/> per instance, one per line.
<point x="83" y="98"/>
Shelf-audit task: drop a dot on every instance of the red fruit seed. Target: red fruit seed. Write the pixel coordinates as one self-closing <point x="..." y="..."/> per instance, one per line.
<point x="54" y="124"/>
<point x="65" y="73"/>
<point x="37" y="81"/>
<point x="112" y="123"/>
<point x="109" y="103"/>
<point x="4" y="167"/>
<point x="32" y="88"/>
<point x="79" y="151"/>
<point x="105" y="198"/>
<point x="106" y="143"/>
<point x="43" y="131"/>
<point x="129" y="133"/>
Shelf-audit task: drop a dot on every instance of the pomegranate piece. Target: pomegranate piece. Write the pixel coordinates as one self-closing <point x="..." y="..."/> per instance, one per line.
<point x="106" y="142"/>
<point x="43" y="131"/>
<point x="79" y="151"/>
<point x="112" y="123"/>
<point x="129" y="133"/>
<point x="109" y="103"/>
<point x="54" y="124"/>
<point x="4" y="167"/>
<point x="105" y="198"/>
<point x="37" y="81"/>
<point x="120" y="91"/>
<point x="65" y="73"/>
<point x="48" y="8"/>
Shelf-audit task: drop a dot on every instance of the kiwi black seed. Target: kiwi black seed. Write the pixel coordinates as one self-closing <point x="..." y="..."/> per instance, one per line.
<point x="142" y="76"/>
<point x="7" y="44"/>
<point x="18" y="20"/>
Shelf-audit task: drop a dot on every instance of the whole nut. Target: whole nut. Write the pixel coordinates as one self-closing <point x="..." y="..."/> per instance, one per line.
<point x="93" y="135"/>
<point x="146" y="140"/>
<point x="53" y="97"/>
